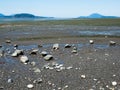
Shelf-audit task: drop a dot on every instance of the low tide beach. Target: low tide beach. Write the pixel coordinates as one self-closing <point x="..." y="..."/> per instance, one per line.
<point x="59" y="57"/>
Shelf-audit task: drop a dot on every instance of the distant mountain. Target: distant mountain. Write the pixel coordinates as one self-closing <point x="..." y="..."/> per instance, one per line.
<point x="21" y="16"/>
<point x="96" y="15"/>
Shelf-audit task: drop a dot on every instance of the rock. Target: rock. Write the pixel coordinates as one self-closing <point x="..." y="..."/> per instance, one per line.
<point x="24" y="59"/>
<point x="34" y="51"/>
<point x="114" y="83"/>
<point x="15" y="45"/>
<point x="49" y="83"/>
<point x="14" y="54"/>
<point x="95" y="79"/>
<point x="112" y="43"/>
<point x="114" y="75"/>
<point x="67" y="46"/>
<point x="91" y="41"/>
<point x="1" y="46"/>
<point x="33" y="63"/>
<point x="48" y="57"/>
<point x="1" y="87"/>
<point x="74" y="51"/>
<point x="56" y="46"/>
<point x="70" y="67"/>
<point x="8" y="41"/>
<point x="39" y="46"/>
<point x="30" y="86"/>
<point x="13" y="71"/>
<point x="1" y="53"/>
<point x="38" y="81"/>
<point x="74" y="48"/>
<point x="10" y="80"/>
<point x="59" y="88"/>
<point x="36" y="70"/>
<point x="17" y="53"/>
<point x="83" y="76"/>
<point x="44" y="53"/>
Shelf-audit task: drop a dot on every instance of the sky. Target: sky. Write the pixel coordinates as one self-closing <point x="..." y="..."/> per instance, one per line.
<point x="61" y="8"/>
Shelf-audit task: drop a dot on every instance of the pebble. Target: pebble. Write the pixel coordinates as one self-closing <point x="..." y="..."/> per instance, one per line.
<point x="33" y="63"/>
<point x="1" y="53"/>
<point x="15" y="45"/>
<point x="10" y="80"/>
<point x="1" y="87"/>
<point x="39" y="46"/>
<point x="36" y="70"/>
<point x="58" y="70"/>
<point x="83" y="76"/>
<point x="1" y="46"/>
<point x="17" y="53"/>
<point x="13" y="71"/>
<point x="66" y="86"/>
<point x="114" y="83"/>
<point x="95" y="79"/>
<point x="34" y="51"/>
<point x="70" y="67"/>
<point x="48" y="57"/>
<point x="38" y="81"/>
<point x="74" y="51"/>
<point x="91" y="41"/>
<point x="67" y="46"/>
<point x="44" y="53"/>
<point x="14" y="54"/>
<point x="59" y="88"/>
<point x="8" y="41"/>
<point x="30" y="86"/>
<point x="112" y="43"/>
<point x="74" y="48"/>
<point x="49" y="83"/>
<point x="114" y="75"/>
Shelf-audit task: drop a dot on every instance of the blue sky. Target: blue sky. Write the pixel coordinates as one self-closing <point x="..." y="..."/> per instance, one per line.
<point x="61" y="8"/>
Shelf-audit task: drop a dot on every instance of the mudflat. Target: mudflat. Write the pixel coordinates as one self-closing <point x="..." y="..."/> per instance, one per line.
<point x="75" y="65"/>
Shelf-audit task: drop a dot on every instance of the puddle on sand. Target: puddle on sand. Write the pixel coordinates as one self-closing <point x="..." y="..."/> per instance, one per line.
<point x="98" y="46"/>
<point x="27" y="47"/>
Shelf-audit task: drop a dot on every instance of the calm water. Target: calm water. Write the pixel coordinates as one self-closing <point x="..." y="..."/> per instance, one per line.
<point x="100" y="33"/>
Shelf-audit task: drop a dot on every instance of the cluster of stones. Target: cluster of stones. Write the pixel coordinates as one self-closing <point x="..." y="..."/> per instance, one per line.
<point x="58" y="67"/>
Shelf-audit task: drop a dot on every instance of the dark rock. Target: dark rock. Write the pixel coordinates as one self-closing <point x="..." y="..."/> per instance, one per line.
<point x="34" y="51"/>
<point x="44" y="53"/>
<point x="8" y="41"/>
<point x="112" y="43"/>
<point x="67" y="46"/>
<point x="48" y="57"/>
<point x="9" y="80"/>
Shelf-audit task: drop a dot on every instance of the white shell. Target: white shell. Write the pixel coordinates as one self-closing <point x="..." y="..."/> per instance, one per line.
<point x="30" y="86"/>
<point x="114" y="83"/>
<point x="83" y="76"/>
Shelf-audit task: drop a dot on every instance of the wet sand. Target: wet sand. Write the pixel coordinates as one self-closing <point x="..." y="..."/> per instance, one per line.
<point x="93" y="67"/>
